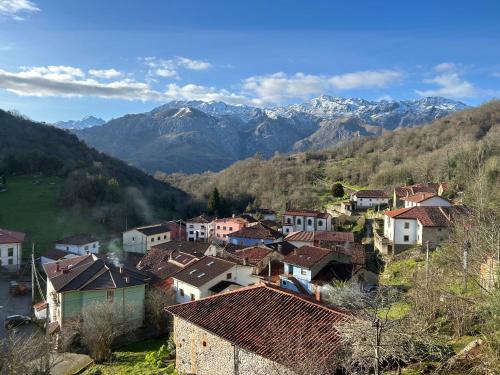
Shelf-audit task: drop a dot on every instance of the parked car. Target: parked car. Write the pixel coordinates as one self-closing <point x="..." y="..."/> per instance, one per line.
<point x="16" y="321"/>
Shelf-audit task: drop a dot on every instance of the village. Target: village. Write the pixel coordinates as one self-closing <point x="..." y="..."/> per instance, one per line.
<point x="231" y="285"/>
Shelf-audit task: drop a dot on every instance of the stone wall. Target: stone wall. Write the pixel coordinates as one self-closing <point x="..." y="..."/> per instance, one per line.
<point x="200" y="352"/>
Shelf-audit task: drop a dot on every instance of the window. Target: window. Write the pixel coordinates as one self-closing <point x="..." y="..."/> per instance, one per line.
<point x="192" y="297"/>
<point x="10" y="252"/>
<point x="290" y="268"/>
<point x="181" y="292"/>
<point x="299" y="221"/>
<point x="287" y="230"/>
<point x="406" y="238"/>
<point x="407" y="225"/>
<point x="86" y="247"/>
<point x="165" y="237"/>
<point x="67" y="248"/>
<point x="303" y="272"/>
<point x="191" y="232"/>
<point x="110" y="294"/>
<point x="289" y="220"/>
<point x="10" y="261"/>
<point x="320" y="222"/>
<point x="202" y="233"/>
<point x="152" y="239"/>
<point x="133" y="238"/>
<point x="224" y="228"/>
<point x="191" y="226"/>
<point x="309" y="222"/>
<point x="218" y="226"/>
<point x="229" y="275"/>
<point x="159" y="238"/>
<point x="439" y="229"/>
<point x="94" y="246"/>
<point x="230" y="228"/>
<point x="204" y="343"/>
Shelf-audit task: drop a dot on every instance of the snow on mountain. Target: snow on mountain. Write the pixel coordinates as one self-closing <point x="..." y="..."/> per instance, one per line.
<point x="84" y="123"/>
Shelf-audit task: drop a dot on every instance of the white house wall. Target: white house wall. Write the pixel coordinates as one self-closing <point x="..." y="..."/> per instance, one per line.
<point x="15" y="259"/>
<point x="91" y="247"/>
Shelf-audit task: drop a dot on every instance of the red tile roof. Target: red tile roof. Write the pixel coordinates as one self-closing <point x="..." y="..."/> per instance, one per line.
<point x="77" y="239"/>
<point x="10" y="236"/>
<point x="257" y="231"/>
<point x="56" y="254"/>
<point x="419" y="197"/>
<point x="165" y="263"/>
<point x="403" y="191"/>
<point x="252" y="255"/>
<point x="202" y="219"/>
<point x="268" y="321"/>
<point x="321" y="236"/>
<point x="307" y="256"/>
<point x="371" y="194"/>
<point x="429" y="216"/>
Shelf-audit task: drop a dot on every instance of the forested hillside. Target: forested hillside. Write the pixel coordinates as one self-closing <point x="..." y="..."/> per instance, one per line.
<point x="441" y="151"/>
<point x="101" y="187"/>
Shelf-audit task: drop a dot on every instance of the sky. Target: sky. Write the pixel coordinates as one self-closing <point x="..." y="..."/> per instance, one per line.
<point x="62" y="60"/>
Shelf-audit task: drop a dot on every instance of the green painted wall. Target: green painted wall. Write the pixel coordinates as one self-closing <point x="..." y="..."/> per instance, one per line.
<point x="131" y="300"/>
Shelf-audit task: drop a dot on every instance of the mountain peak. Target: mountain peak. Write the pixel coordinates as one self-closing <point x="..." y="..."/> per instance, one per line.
<point x="84" y="123"/>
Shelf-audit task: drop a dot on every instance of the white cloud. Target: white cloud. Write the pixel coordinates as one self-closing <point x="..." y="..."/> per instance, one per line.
<point x="105" y="73"/>
<point x="169" y="68"/>
<point x="279" y="87"/>
<point x="14" y="8"/>
<point x="69" y="81"/>
<point x="450" y="85"/>
<point x="445" y="67"/>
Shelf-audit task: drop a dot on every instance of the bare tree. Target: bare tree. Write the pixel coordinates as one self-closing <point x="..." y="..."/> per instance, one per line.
<point x="100" y="324"/>
<point x="156" y="301"/>
<point x="25" y="354"/>
<point x="375" y="340"/>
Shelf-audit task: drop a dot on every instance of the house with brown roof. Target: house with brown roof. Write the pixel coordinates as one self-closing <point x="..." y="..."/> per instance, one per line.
<point x="401" y="192"/>
<point x="223" y="227"/>
<point x="53" y="255"/>
<point x="425" y="199"/>
<point x="256" y="330"/>
<point x="79" y="244"/>
<point x="303" y="238"/>
<point x="363" y="199"/>
<point x="406" y="227"/>
<point x="75" y="283"/>
<point x="210" y="275"/>
<point x="255" y="234"/>
<point x="296" y="220"/>
<point x="11" y="249"/>
<point x="200" y="228"/>
<point x="141" y="239"/>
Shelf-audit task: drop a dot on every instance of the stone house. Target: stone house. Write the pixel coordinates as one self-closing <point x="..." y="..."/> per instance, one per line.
<point x="257" y="330"/>
<point x="11" y="249"/>
<point x="306" y="220"/>
<point x="141" y="239"/>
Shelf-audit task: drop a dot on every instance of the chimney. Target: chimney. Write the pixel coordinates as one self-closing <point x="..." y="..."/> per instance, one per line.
<point x="245" y="261"/>
<point x="120" y="269"/>
<point x="280" y="248"/>
<point x="233" y="216"/>
<point x="58" y="268"/>
<point x="294" y="251"/>
<point x="127" y="280"/>
<point x="317" y="294"/>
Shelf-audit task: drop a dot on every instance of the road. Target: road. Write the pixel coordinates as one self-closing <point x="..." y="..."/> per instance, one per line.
<point x="14" y="305"/>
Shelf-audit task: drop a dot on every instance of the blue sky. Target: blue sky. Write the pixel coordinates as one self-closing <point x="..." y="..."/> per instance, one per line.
<point x="64" y="59"/>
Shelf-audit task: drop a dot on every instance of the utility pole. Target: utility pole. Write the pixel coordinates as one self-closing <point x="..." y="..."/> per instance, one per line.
<point x="32" y="273"/>
<point x="47" y="338"/>
<point x="465" y="264"/>
<point x="427" y="265"/>
<point x="378" y="330"/>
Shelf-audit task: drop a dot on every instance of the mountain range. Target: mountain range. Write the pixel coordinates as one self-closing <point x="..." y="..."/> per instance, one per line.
<point x="197" y="136"/>
<point x="84" y="123"/>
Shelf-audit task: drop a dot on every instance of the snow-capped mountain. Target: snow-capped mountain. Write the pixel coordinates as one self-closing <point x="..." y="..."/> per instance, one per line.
<point x="84" y="123"/>
<point x="195" y="136"/>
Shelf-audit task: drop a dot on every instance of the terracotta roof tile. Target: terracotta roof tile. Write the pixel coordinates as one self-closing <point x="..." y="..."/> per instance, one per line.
<point x="203" y="270"/>
<point x="429" y="216"/>
<point x="321" y="236"/>
<point x="257" y="231"/>
<point x="311" y="213"/>
<point x="371" y="194"/>
<point x="10" y="236"/>
<point x="202" y="219"/>
<point x="307" y="256"/>
<point x="268" y="321"/>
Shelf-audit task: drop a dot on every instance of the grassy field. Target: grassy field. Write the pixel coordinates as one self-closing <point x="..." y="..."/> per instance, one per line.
<point x="30" y="205"/>
<point x="129" y="360"/>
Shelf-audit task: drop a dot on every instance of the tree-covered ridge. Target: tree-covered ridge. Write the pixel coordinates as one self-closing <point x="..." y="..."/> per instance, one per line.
<point x="440" y="151"/>
<point x="106" y="188"/>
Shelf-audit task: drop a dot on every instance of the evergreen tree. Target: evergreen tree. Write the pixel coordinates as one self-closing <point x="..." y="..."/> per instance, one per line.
<point x="214" y="204"/>
<point x="338" y="190"/>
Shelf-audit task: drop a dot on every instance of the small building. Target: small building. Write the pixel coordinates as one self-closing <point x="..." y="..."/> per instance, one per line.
<point x="401" y="192"/>
<point x="299" y="239"/>
<point x="306" y="220"/>
<point x="73" y="284"/>
<point x="210" y="275"/>
<point x="200" y="228"/>
<point x="254" y="235"/>
<point x="141" y="239"/>
<point x="406" y="227"/>
<point x="425" y="199"/>
<point x="259" y="257"/>
<point x="369" y="199"/>
<point x="256" y="330"/>
<point x="54" y="255"/>
<point x="79" y="244"/>
<point x="223" y="227"/>
<point x="263" y="214"/>
<point x="11" y="249"/>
